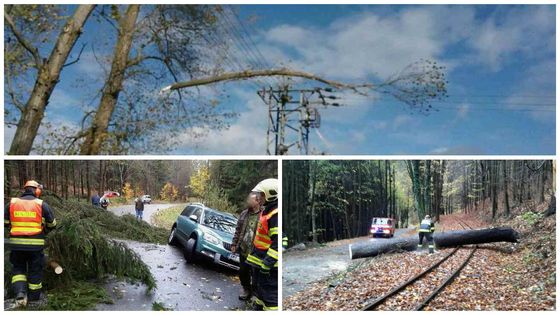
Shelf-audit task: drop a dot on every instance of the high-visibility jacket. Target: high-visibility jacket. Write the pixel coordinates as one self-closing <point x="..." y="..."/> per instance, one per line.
<point x="427" y="226"/>
<point x="27" y="218"/>
<point x="265" y="245"/>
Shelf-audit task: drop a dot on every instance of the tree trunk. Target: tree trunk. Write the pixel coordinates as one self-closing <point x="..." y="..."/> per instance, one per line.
<point x="444" y="239"/>
<point x="506" y="195"/>
<point x="113" y="86"/>
<point x="47" y="78"/>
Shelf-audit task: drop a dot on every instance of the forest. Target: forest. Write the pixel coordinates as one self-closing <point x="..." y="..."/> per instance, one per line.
<point x="332" y="200"/>
<point x="223" y="183"/>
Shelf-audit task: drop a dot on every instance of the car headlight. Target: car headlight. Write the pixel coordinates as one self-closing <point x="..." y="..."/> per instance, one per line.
<point x="211" y="238"/>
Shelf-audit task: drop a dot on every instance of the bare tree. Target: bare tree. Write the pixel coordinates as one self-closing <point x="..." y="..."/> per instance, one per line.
<point x="48" y="72"/>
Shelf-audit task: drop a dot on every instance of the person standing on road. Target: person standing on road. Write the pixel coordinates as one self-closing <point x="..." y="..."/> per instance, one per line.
<point x="426" y="230"/>
<point x="139" y="207"/>
<point x="242" y="242"/>
<point x="28" y="220"/>
<point x="96" y="200"/>
<point x="264" y="256"/>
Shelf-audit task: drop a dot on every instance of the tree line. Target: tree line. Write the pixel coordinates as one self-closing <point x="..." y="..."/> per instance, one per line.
<point x="330" y="200"/>
<point x="172" y="180"/>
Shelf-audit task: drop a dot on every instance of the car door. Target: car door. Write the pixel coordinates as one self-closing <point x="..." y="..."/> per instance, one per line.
<point x="183" y="223"/>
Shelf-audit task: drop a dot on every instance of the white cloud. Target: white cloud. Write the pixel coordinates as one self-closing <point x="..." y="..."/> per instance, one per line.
<point x="245" y="136"/>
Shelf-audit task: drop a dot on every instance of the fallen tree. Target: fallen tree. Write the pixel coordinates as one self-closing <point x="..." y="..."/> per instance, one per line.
<point x="85" y="243"/>
<point x="443" y="239"/>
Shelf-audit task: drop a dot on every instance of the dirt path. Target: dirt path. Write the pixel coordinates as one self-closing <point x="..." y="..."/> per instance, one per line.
<point x="300" y="268"/>
<point x="180" y="286"/>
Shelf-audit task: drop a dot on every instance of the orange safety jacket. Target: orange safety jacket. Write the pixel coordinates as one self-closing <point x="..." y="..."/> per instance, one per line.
<point x="264" y="247"/>
<point x="26" y="217"/>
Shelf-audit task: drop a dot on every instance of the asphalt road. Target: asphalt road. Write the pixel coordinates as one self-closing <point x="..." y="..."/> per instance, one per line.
<point x="300" y="268"/>
<point x="180" y="286"/>
<point x="149" y="210"/>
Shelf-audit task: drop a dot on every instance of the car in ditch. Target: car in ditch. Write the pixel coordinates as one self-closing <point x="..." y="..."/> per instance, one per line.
<point x="382" y="227"/>
<point x="205" y="233"/>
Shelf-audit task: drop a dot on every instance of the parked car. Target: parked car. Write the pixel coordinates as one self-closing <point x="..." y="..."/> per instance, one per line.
<point x="205" y="233"/>
<point x="382" y="227"/>
<point x="146" y="199"/>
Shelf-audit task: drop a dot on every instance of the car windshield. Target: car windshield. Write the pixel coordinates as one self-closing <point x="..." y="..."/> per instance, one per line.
<point x="380" y="221"/>
<point x="220" y="222"/>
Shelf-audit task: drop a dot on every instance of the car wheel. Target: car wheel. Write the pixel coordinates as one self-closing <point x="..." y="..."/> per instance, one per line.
<point x="190" y="250"/>
<point x="172" y="239"/>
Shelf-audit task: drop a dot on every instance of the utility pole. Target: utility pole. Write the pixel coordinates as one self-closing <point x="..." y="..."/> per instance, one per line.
<point x="291" y="113"/>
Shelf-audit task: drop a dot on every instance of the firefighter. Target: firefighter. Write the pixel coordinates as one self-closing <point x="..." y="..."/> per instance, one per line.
<point x="284" y="243"/>
<point x="426" y="230"/>
<point x="264" y="256"/>
<point x="28" y="219"/>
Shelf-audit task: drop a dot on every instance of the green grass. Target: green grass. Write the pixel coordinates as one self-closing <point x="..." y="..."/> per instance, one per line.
<point x="166" y="217"/>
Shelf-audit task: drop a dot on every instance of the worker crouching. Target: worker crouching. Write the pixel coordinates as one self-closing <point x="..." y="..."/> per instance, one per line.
<point x="426" y="230"/>
<point x="28" y="219"/>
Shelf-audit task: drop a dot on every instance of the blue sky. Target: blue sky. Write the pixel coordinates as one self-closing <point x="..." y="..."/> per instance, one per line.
<point x="500" y="66"/>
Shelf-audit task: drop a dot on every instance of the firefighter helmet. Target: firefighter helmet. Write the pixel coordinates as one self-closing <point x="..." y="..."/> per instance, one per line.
<point x="269" y="187"/>
<point x="34" y="184"/>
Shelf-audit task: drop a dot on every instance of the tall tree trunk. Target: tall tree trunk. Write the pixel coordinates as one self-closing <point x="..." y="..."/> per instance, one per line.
<point x="113" y="86"/>
<point x="47" y="78"/>
<point x="506" y="187"/>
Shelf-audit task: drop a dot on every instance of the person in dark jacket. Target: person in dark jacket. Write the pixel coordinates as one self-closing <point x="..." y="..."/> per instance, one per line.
<point x="243" y="242"/>
<point x="96" y="200"/>
<point x="28" y="220"/>
<point x="139" y="206"/>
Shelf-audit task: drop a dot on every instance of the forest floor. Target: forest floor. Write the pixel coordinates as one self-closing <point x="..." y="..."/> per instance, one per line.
<point x="302" y="267"/>
<point x="500" y="276"/>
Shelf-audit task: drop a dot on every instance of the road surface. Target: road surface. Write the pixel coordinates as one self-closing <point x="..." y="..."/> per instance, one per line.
<point x="149" y="210"/>
<point x="180" y="286"/>
<point x="300" y="268"/>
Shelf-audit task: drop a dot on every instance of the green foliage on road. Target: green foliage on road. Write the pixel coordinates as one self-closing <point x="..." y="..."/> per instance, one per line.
<point x="84" y="245"/>
<point x="81" y="296"/>
<point x="165" y="218"/>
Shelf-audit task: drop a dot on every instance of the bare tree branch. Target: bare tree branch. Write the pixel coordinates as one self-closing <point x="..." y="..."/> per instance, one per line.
<point x="21" y="39"/>
<point x="77" y="58"/>
<point x="231" y="76"/>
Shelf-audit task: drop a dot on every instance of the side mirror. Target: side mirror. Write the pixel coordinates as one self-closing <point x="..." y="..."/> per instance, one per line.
<point x="193" y="217"/>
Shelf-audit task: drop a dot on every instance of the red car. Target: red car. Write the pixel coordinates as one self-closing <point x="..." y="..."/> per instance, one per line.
<point x="382" y="227"/>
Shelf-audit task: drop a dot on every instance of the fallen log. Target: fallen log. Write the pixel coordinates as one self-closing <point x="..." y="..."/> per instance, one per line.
<point x="441" y="239"/>
<point x="56" y="267"/>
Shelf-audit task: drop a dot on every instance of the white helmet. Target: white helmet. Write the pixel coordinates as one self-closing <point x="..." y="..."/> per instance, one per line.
<point x="269" y="187"/>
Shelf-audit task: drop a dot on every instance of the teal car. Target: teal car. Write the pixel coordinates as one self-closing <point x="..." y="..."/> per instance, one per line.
<point x="205" y="233"/>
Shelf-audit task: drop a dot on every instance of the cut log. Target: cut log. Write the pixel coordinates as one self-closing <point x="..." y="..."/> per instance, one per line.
<point x="56" y="267"/>
<point x="443" y="239"/>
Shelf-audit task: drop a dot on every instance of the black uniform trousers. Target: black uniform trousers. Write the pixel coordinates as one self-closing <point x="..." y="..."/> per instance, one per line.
<point x="266" y="289"/>
<point x="27" y="270"/>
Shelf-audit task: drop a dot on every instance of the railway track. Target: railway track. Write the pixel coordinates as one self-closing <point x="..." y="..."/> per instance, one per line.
<point x="425" y="274"/>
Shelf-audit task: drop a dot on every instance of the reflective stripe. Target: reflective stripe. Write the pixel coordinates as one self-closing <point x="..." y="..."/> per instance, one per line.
<point x="273" y="231"/>
<point x="6" y="221"/>
<point x="259" y="301"/>
<point x="35" y="286"/>
<point x="424" y="230"/>
<point x="419" y="245"/>
<point x="17" y="278"/>
<point x="272" y="253"/>
<point x="26" y="241"/>
<point x="430" y="246"/>
<point x="52" y="224"/>
<point x="25" y="230"/>
<point x="270" y="308"/>
<point x="261" y="244"/>
<point x="32" y="224"/>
